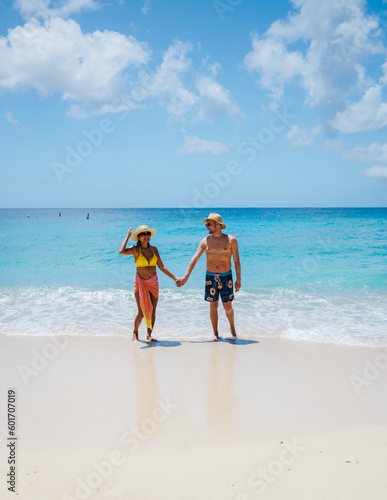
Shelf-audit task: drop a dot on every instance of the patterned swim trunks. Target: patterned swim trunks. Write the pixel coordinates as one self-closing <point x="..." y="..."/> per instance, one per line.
<point x="219" y="284"/>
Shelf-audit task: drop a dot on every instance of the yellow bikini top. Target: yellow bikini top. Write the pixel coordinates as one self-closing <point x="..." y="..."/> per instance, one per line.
<point x="143" y="262"/>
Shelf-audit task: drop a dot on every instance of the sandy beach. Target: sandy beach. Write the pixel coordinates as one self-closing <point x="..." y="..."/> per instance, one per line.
<point x="111" y="419"/>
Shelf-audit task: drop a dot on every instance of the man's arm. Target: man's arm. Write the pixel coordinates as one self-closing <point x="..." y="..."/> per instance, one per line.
<point x="237" y="262"/>
<point x="199" y="252"/>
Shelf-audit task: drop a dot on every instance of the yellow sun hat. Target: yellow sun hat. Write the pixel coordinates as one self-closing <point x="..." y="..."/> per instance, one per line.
<point x="142" y="229"/>
<point x="215" y="218"/>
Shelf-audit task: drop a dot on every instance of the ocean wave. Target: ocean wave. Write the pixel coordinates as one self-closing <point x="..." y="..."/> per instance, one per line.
<point x="351" y="317"/>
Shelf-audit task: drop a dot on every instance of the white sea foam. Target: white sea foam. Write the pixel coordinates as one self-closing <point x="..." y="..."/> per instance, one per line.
<point x="354" y="318"/>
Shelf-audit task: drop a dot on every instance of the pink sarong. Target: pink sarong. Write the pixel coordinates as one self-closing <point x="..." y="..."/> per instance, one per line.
<point x="145" y="287"/>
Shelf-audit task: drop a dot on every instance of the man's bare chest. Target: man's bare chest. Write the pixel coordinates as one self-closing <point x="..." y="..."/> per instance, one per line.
<point x="218" y="248"/>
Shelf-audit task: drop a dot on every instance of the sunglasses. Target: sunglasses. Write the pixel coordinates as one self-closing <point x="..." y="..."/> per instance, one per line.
<point x="208" y="224"/>
<point x="145" y="234"/>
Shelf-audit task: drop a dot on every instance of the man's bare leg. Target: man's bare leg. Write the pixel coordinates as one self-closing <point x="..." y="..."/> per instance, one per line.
<point x="230" y="316"/>
<point x="214" y="318"/>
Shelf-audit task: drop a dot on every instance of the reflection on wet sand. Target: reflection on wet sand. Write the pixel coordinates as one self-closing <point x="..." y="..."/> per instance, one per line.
<point x="221" y="402"/>
<point x="147" y="391"/>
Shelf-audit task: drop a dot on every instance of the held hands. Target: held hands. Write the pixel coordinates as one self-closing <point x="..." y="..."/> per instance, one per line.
<point x="181" y="281"/>
<point x="175" y="279"/>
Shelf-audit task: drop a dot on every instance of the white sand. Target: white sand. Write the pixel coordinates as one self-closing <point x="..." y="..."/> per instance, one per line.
<point x="109" y="419"/>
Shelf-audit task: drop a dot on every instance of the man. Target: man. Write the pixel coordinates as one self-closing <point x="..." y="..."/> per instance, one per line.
<point x="219" y="248"/>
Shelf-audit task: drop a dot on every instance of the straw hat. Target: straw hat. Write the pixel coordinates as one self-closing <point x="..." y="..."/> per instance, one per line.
<point x="142" y="229"/>
<point x="216" y="218"/>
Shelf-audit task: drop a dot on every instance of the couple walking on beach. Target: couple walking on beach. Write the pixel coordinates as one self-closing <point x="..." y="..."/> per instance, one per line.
<point x="219" y="248"/>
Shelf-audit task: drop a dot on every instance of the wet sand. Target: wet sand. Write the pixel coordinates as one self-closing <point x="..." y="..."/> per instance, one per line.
<point x="111" y="419"/>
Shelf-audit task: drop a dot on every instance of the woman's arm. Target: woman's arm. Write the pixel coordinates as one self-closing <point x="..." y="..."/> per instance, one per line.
<point x="161" y="266"/>
<point x="199" y="252"/>
<point x="123" y="250"/>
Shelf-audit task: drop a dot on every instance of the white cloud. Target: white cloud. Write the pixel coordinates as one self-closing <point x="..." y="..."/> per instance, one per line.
<point x="370" y="113"/>
<point x="10" y="118"/>
<point x="376" y="172"/>
<point x="42" y="9"/>
<point x="212" y="68"/>
<point x="383" y="79"/>
<point x="146" y="7"/>
<point x="58" y="57"/>
<point x="276" y="65"/>
<point x="375" y="152"/>
<point x="76" y="111"/>
<point x="122" y="105"/>
<point x="332" y="39"/>
<point x="195" y="146"/>
<point x="172" y="82"/>
<point x="301" y="136"/>
<point x="107" y="72"/>
<point x="167" y="81"/>
<point x="215" y="100"/>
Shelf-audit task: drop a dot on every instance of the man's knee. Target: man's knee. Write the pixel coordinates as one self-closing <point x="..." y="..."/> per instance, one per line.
<point x="214" y="305"/>
<point x="227" y="306"/>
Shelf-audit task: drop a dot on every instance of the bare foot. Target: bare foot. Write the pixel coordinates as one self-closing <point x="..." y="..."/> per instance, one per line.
<point x="216" y="336"/>
<point x="135" y="336"/>
<point x="233" y="333"/>
<point x="149" y="337"/>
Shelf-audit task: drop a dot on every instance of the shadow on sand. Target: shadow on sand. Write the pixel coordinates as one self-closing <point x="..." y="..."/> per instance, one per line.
<point x="176" y="343"/>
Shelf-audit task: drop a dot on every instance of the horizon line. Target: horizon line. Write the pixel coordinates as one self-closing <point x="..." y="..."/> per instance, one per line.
<point x="181" y="208"/>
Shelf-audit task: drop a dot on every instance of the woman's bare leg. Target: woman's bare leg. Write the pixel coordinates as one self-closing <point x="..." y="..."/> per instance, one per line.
<point x="138" y="318"/>
<point x="154" y="304"/>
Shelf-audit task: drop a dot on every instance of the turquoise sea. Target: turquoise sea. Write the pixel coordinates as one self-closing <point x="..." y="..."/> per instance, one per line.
<point x="312" y="274"/>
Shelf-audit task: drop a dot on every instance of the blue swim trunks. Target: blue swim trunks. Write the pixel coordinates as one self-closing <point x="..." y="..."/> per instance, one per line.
<point x="219" y="284"/>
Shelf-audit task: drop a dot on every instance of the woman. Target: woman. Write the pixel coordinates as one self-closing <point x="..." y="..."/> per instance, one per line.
<point x="146" y="284"/>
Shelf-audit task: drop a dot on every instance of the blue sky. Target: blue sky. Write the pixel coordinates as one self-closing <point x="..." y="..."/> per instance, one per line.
<point x="148" y="103"/>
